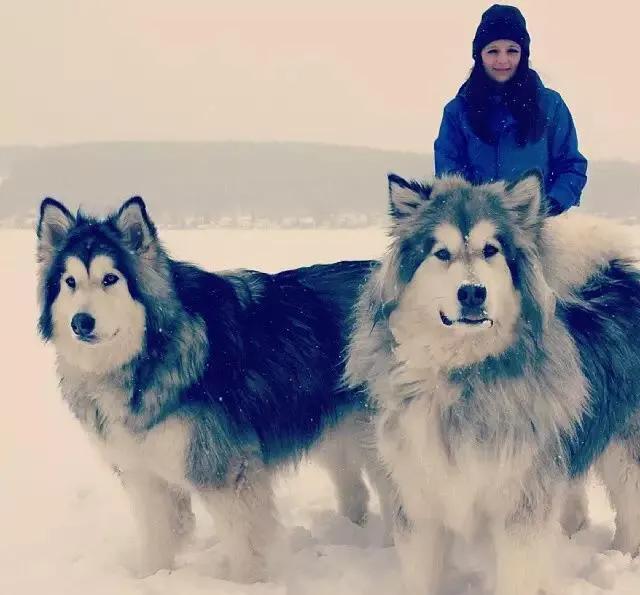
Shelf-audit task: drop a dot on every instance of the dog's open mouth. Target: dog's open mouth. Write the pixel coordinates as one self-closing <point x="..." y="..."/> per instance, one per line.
<point x="471" y="321"/>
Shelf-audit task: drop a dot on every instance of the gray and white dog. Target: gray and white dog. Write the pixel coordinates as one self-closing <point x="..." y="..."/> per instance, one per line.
<point x="190" y="381"/>
<point x="502" y="352"/>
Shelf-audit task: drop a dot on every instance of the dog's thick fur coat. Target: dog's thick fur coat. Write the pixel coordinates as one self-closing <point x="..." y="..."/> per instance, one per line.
<point x="502" y="357"/>
<point x="190" y="381"/>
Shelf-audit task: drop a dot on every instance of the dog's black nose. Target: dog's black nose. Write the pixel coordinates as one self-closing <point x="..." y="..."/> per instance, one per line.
<point x="83" y="324"/>
<point x="472" y="296"/>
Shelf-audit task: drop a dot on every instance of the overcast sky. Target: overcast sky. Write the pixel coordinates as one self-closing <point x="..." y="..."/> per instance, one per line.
<point x="350" y="72"/>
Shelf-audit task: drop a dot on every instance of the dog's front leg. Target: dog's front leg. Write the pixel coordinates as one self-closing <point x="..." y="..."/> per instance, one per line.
<point x="159" y="512"/>
<point x="620" y="471"/>
<point x="245" y="520"/>
<point x="517" y="563"/>
<point x="422" y="548"/>
<point x="575" y="510"/>
<point x="182" y="517"/>
<point x="526" y="545"/>
<point x="340" y="455"/>
<point x="380" y="479"/>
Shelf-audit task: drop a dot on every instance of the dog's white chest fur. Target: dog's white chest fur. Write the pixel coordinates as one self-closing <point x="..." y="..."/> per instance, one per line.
<point x="451" y="483"/>
<point x="162" y="450"/>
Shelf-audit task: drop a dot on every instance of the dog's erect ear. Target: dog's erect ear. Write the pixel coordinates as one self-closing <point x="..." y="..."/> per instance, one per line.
<point x="55" y="223"/>
<point x="524" y="198"/>
<point x="133" y="222"/>
<point x="405" y="196"/>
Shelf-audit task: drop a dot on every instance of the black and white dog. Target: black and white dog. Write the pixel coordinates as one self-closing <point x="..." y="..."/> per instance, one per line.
<point x="502" y="352"/>
<point x="190" y="381"/>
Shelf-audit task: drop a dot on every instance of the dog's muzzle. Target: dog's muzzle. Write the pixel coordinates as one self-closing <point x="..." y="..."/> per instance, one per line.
<point x="83" y="325"/>
<point x="472" y="300"/>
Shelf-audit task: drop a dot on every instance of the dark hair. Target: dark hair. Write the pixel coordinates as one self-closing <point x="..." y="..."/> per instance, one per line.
<point x="520" y="94"/>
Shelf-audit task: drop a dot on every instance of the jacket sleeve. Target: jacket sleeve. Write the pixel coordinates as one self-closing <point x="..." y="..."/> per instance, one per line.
<point x="450" y="148"/>
<point x="567" y="166"/>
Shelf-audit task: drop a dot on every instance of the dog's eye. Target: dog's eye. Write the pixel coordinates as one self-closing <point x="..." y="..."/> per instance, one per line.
<point x="443" y="254"/>
<point x="489" y="250"/>
<point x="109" y="279"/>
<point x="71" y="282"/>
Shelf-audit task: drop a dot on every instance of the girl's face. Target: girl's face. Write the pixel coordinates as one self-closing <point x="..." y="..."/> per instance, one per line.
<point x="500" y="59"/>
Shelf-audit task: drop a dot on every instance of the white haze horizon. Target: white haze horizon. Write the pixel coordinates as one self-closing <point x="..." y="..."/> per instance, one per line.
<point x="232" y="141"/>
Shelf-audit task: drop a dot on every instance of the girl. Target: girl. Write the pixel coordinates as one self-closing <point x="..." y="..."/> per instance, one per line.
<point x="504" y="121"/>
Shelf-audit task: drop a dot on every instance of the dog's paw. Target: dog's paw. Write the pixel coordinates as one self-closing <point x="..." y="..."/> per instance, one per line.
<point x="573" y="521"/>
<point x="245" y="569"/>
<point x="622" y="543"/>
<point x="151" y="564"/>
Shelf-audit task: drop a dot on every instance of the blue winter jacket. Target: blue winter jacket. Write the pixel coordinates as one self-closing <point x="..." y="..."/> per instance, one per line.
<point x="555" y="155"/>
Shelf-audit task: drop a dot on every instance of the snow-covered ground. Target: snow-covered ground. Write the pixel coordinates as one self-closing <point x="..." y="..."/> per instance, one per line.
<point x="65" y="526"/>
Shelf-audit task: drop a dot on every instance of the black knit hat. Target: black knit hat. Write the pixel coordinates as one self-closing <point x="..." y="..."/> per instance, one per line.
<point x="501" y="22"/>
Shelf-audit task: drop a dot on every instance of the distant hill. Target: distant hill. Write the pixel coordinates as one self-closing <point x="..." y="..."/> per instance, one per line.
<point x="227" y="182"/>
